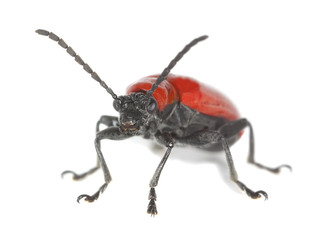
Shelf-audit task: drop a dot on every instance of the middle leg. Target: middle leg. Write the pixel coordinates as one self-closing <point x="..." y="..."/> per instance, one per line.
<point x="168" y="141"/>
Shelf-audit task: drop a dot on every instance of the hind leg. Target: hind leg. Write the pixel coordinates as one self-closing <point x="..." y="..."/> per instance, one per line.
<point x="234" y="128"/>
<point x="204" y="137"/>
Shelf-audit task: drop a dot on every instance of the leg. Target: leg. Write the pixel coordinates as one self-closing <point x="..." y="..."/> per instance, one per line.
<point x="234" y="128"/>
<point x="112" y="133"/>
<point x="251" y="156"/>
<point x="109" y="121"/>
<point x="168" y="141"/>
<point x="204" y="137"/>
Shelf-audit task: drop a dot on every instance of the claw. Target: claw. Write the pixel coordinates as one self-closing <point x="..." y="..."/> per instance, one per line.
<point x="273" y="170"/>
<point x="278" y="169"/>
<point x="88" y="198"/>
<point x="81" y="176"/>
<point x="250" y="193"/>
<point x="75" y="175"/>
<point x="93" y="197"/>
<point x="259" y="194"/>
<point x="256" y="195"/>
<point x="82" y="196"/>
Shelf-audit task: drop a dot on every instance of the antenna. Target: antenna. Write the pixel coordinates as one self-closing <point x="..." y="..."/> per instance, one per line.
<point x="172" y="64"/>
<point x="78" y="59"/>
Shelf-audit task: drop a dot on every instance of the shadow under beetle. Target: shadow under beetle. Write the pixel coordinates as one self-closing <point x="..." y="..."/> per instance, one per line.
<point x="174" y="110"/>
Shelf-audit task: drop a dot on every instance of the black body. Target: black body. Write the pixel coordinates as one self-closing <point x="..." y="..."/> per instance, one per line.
<point x="181" y="122"/>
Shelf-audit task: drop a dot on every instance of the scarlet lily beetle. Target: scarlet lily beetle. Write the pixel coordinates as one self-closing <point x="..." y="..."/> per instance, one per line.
<point x="173" y="110"/>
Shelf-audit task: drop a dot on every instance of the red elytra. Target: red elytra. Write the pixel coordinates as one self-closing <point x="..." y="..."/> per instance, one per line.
<point x="189" y="92"/>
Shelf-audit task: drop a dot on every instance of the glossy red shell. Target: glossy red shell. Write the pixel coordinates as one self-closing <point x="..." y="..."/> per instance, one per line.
<point x="189" y="92"/>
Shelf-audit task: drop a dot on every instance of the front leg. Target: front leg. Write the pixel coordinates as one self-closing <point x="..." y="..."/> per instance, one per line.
<point x="168" y="141"/>
<point x="108" y="121"/>
<point x="112" y="133"/>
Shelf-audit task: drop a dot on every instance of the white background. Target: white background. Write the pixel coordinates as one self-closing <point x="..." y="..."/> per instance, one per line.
<point x="262" y="54"/>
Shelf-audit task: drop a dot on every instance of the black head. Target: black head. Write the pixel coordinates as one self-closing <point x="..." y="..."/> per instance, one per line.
<point x="136" y="111"/>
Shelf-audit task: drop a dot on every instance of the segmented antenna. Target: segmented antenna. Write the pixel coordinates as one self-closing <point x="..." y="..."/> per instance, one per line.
<point x="78" y="59"/>
<point x="172" y="64"/>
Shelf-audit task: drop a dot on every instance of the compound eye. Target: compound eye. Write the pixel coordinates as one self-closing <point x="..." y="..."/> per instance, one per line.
<point x="116" y="105"/>
<point x="139" y="95"/>
<point x="152" y="106"/>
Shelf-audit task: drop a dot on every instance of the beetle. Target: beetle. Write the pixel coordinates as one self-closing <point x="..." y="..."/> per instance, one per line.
<point x="173" y="110"/>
